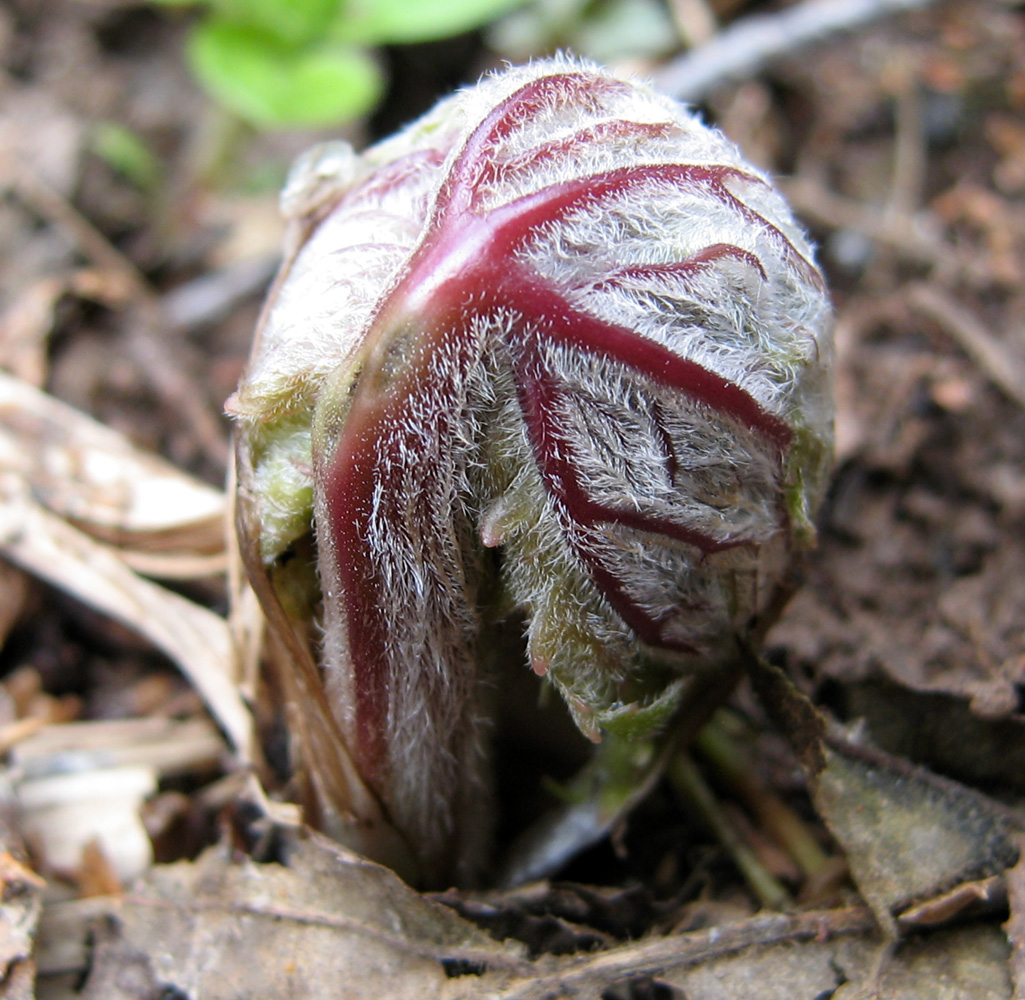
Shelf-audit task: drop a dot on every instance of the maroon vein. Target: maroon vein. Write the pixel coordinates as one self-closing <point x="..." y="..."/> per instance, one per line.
<point x="506" y="118"/>
<point x="564" y="323"/>
<point x="699" y="261"/>
<point x="615" y="129"/>
<point x="539" y="400"/>
<point x="348" y="482"/>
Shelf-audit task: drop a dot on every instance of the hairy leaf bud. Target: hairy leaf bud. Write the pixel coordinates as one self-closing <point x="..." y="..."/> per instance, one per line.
<point x="556" y="348"/>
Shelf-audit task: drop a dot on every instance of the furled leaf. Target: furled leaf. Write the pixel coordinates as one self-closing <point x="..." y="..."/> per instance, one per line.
<point x="556" y="348"/>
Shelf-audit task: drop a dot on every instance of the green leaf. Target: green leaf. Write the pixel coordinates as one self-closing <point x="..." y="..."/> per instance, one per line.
<point x="122" y="150"/>
<point x="275" y="85"/>
<point x="381" y="22"/>
<point x="294" y="22"/>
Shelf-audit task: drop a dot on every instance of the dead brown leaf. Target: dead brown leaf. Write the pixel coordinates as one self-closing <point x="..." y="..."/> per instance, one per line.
<point x="907" y="834"/>
<point x="329" y="924"/>
<point x="21" y="903"/>
<point x="94" y="477"/>
<point x="195" y="638"/>
<point x="1015" y="926"/>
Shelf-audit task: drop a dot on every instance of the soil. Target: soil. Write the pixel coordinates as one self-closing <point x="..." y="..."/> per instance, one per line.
<point x="901" y="146"/>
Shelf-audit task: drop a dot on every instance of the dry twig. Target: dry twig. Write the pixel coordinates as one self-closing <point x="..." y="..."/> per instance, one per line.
<point x="744" y="48"/>
<point x="675" y="950"/>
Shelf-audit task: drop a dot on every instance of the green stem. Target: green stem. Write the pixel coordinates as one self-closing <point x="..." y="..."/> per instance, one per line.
<point x="721" y="749"/>
<point x="688" y="782"/>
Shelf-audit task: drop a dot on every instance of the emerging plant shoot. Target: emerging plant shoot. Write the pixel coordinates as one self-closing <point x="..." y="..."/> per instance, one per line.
<point x="555" y="348"/>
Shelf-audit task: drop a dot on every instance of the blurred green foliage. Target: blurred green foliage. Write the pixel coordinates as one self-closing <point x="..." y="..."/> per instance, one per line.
<point x="125" y="152"/>
<point x="281" y="63"/>
<point x="604" y="30"/>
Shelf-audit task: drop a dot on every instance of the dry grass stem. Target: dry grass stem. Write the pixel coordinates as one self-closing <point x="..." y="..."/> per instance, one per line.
<point x="167" y="746"/>
<point x="742" y="50"/>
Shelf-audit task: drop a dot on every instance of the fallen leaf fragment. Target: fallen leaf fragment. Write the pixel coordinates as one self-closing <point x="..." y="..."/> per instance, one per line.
<point x="26" y="324"/>
<point x="92" y="475"/>
<point x="21" y="903"/>
<point x="196" y="639"/>
<point x="1015" y="926"/>
<point x="948" y="736"/>
<point x="909" y="835"/>
<point x="964" y="901"/>
<point x="168" y="746"/>
<point x="327" y="924"/>
<point x="966" y="963"/>
<point x="62" y="814"/>
<point x="330" y="924"/>
<point x="21" y="890"/>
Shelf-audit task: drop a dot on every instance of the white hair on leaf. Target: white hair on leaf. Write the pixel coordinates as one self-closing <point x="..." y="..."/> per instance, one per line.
<point x="561" y="319"/>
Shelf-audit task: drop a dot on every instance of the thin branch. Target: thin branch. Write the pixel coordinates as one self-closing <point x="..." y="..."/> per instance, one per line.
<point x="654" y="955"/>
<point x="50" y="204"/>
<point x="746" y="47"/>
<point x="917" y="237"/>
<point x="158" y="362"/>
<point x="909" y="149"/>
